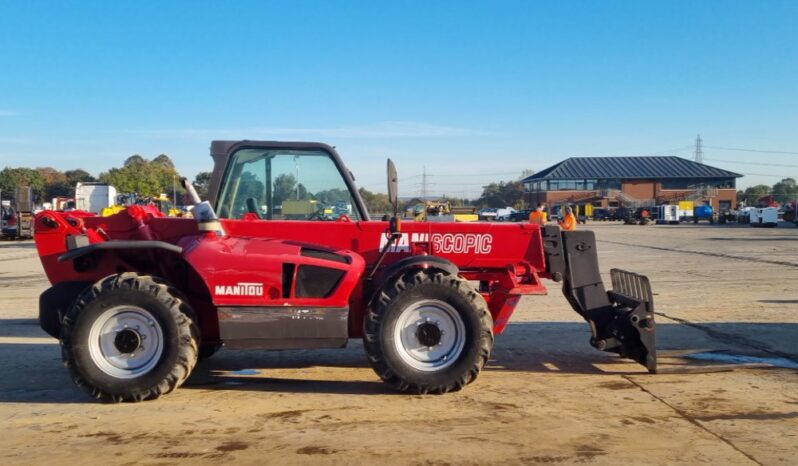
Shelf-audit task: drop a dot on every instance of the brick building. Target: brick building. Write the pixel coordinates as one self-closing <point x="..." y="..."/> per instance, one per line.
<point x="610" y="182"/>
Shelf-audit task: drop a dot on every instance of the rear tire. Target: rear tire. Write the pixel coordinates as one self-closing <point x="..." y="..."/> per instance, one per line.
<point x="129" y="338"/>
<point x="428" y="332"/>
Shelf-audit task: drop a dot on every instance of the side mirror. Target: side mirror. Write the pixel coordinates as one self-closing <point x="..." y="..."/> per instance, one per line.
<point x="393" y="186"/>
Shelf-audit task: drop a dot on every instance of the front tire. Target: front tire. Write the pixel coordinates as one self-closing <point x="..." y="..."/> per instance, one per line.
<point x="129" y="338"/>
<point x="428" y="332"/>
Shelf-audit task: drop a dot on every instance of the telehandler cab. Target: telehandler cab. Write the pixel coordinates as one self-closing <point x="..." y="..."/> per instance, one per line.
<point x="283" y="255"/>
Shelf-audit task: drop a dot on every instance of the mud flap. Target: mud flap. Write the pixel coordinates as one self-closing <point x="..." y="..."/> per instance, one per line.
<point x="621" y="320"/>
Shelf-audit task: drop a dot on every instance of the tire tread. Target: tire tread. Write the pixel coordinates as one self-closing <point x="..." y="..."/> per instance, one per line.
<point x="188" y="334"/>
<point x="403" y="284"/>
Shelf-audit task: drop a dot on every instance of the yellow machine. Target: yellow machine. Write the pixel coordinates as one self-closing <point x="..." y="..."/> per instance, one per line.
<point x="465" y="214"/>
<point x="443" y="211"/>
<point x="162" y="202"/>
<point x="112" y="210"/>
<point x="299" y="209"/>
<point x="166" y="206"/>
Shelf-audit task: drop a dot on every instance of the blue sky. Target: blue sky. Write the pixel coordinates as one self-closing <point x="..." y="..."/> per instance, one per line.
<point x="474" y="91"/>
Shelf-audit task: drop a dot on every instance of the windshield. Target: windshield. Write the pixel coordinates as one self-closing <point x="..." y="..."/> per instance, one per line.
<point x="285" y="185"/>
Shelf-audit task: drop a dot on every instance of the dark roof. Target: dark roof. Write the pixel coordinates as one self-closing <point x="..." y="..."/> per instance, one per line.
<point x="629" y="168"/>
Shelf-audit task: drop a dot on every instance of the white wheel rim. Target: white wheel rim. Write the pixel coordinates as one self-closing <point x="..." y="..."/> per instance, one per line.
<point x="439" y="319"/>
<point x="133" y="353"/>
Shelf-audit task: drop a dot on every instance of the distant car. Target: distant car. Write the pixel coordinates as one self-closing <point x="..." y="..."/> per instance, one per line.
<point x="520" y="215"/>
<point x="604" y="215"/>
<point x="503" y="215"/>
<point x="488" y="213"/>
<point x="9" y="223"/>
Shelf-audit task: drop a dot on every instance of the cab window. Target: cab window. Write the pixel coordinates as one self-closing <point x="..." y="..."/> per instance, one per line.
<point x="285" y="185"/>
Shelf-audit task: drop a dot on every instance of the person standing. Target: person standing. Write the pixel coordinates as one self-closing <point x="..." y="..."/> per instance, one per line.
<point x="568" y="222"/>
<point x="538" y="216"/>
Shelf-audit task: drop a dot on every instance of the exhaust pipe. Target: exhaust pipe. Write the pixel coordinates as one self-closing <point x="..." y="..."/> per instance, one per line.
<point x="203" y="211"/>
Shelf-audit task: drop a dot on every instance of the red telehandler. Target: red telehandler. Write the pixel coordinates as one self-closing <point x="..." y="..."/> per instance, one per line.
<point x="283" y="255"/>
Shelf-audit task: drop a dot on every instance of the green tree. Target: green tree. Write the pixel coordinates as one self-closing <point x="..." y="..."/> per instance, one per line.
<point x="785" y="190"/>
<point x="331" y="196"/>
<point x="502" y="194"/>
<point x="284" y="187"/>
<point x="147" y="179"/>
<point x="202" y="183"/>
<point x="78" y="176"/>
<point x="12" y="178"/>
<point x="752" y="193"/>
<point x="163" y="160"/>
<point x="55" y="183"/>
<point x="376" y="203"/>
<point x="249" y="186"/>
<point x="134" y="159"/>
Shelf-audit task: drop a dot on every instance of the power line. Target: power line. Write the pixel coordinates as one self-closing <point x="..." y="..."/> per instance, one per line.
<point x="476" y="174"/>
<point x="424" y="184"/>
<point x="669" y="151"/>
<point x="765" y="174"/>
<point x="761" y="151"/>
<point x="754" y="163"/>
<point x="417" y="185"/>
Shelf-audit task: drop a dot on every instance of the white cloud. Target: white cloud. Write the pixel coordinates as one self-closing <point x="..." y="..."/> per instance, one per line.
<point x="388" y="129"/>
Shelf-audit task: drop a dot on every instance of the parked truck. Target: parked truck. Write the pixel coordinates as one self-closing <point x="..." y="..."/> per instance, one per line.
<point x="16" y="215"/>
<point x="94" y="196"/>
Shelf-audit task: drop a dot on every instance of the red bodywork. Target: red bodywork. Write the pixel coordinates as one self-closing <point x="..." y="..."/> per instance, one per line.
<point x="507" y="259"/>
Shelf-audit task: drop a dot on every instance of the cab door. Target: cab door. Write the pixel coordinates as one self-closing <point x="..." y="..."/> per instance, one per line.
<point x="288" y="183"/>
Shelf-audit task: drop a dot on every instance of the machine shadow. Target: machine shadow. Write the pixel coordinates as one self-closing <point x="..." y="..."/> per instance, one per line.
<point x="21" y="328"/>
<point x="249" y="370"/>
<point x="34" y="373"/>
<point x="564" y="347"/>
<point x="203" y="379"/>
<point x="16" y="244"/>
<point x="758" y="238"/>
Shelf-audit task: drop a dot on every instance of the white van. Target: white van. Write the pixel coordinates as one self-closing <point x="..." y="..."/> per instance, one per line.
<point x="764" y="217"/>
<point x="94" y="197"/>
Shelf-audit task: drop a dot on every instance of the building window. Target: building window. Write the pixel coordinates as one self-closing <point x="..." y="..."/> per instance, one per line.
<point x="609" y="184"/>
<point x="696" y="183"/>
<point x="567" y="185"/>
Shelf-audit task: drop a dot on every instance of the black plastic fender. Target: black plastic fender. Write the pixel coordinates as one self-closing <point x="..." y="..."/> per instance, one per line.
<point x="387" y="275"/>
<point x="75" y="253"/>
<point x="55" y="302"/>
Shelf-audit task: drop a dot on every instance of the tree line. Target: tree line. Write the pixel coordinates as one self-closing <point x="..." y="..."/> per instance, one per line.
<point x="47" y="182"/>
<point x="146" y="178"/>
<point x="784" y="191"/>
<point x="150" y="178"/>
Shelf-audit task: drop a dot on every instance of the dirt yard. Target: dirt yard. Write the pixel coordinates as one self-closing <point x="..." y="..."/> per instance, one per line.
<point x="727" y="293"/>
